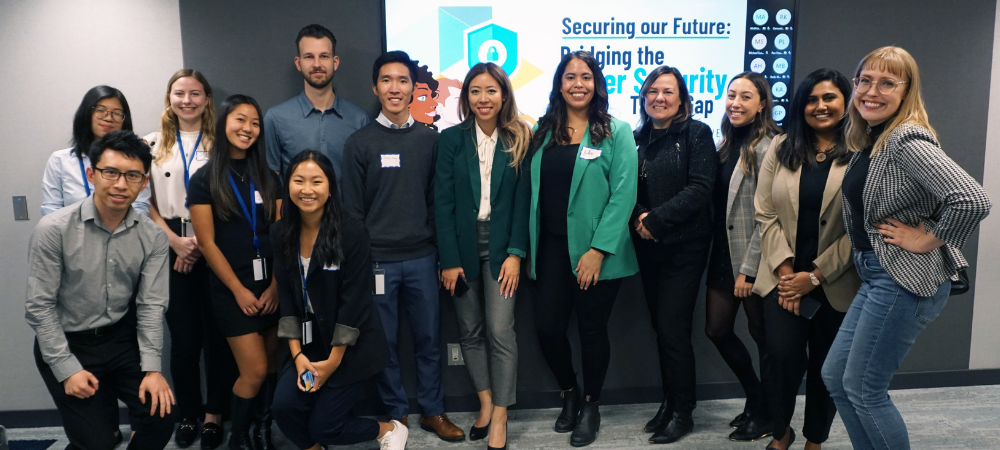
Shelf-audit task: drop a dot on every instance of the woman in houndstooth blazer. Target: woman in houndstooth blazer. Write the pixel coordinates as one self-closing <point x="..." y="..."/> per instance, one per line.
<point x="908" y="209"/>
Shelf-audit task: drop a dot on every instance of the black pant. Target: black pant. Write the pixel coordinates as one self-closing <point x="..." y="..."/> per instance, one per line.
<point x="192" y="328"/>
<point x="670" y="279"/>
<point x="787" y="337"/>
<point x="558" y="294"/>
<point x="114" y="360"/>
<point x="322" y="417"/>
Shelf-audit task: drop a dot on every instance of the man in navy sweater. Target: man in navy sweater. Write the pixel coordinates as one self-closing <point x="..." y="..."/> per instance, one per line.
<point x="389" y="184"/>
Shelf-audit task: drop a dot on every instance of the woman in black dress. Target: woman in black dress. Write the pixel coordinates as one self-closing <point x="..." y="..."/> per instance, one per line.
<point x="233" y="202"/>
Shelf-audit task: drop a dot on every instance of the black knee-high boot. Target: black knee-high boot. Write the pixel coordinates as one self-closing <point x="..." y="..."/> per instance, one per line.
<point x="262" y="428"/>
<point x="240" y="414"/>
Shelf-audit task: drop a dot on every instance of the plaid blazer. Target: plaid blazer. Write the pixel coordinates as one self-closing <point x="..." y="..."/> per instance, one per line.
<point x="913" y="181"/>
<point x="741" y="224"/>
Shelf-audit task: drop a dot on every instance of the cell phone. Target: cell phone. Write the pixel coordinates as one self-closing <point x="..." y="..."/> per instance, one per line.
<point x="808" y="307"/>
<point x="461" y="286"/>
<point x="308" y="380"/>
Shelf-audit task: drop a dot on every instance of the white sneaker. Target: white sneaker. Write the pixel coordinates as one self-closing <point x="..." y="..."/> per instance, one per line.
<point x="395" y="439"/>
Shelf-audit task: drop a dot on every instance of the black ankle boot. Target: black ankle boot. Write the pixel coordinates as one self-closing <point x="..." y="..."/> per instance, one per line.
<point x="570" y="410"/>
<point x="753" y="430"/>
<point x="241" y="413"/>
<point x="262" y="426"/>
<point x="587" y="425"/>
<point x="679" y="426"/>
<point x="661" y="418"/>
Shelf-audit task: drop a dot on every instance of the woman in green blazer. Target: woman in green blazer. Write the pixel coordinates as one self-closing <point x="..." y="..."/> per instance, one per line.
<point x="481" y="208"/>
<point x="583" y="172"/>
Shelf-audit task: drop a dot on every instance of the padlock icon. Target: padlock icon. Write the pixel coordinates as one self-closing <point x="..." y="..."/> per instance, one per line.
<point x="492" y="54"/>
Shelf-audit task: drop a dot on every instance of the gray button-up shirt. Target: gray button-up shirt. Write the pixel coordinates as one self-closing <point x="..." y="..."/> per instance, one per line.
<point x="295" y="126"/>
<point x="82" y="276"/>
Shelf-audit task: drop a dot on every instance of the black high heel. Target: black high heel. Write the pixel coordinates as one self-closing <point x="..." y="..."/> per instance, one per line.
<point x="791" y="440"/>
<point x="488" y="447"/>
<point x="478" y="433"/>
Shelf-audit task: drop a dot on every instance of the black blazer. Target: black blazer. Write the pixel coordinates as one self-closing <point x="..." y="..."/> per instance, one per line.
<point x="680" y="175"/>
<point x="341" y="298"/>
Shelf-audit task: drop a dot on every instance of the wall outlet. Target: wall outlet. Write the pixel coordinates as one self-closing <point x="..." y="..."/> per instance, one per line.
<point x="20" y="207"/>
<point x="455" y="357"/>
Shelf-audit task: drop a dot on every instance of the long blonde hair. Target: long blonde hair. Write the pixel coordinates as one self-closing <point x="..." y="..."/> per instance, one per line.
<point x="168" y="120"/>
<point x="898" y="62"/>
<point x="515" y="134"/>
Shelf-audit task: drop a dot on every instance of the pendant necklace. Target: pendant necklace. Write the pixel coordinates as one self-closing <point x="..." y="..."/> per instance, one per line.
<point x="821" y="154"/>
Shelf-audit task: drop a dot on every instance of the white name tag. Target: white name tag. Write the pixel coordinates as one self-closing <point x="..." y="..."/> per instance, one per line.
<point x="307" y="332"/>
<point x="201" y="156"/>
<point x="331" y="267"/>
<point x="590" y="153"/>
<point x="257" y="198"/>
<point x="258" y="270"/>
<point x="379" y="282"/>
<point x="390" y="160"/>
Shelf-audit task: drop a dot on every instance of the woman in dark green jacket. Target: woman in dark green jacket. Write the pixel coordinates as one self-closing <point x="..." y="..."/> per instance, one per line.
<point x="481" y="201"/>
<point x="583" y="170"/>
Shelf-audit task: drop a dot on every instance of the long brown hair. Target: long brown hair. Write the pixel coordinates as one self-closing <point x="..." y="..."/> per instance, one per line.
<point x="168" y="120"/>
<point x="898" y="62"/>
<point x="555" y="118"/>
<point x="763" y="126"/>
<point x="514" y="133"/>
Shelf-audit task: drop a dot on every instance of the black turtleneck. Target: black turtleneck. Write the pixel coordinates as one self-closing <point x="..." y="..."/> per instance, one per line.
<point x="854" y="189"/>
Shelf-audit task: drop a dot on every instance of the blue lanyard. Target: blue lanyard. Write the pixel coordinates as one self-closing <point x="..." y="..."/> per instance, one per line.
<point x="83" y="174"/>
<point x="251" y="218"/>
<point x="187" y="165"/>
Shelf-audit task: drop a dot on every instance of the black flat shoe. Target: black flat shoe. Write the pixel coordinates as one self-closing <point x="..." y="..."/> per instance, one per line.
<point x="679" y="426"/>
<point x="186" y="433"/>
<point x="587" y="425"/>
<point x="570" y="411"/>
<point x="211" y="436"/>
<point x="488" y="447"/>
<point x="478" y="433"/>
<point x="791" y="440"/>
<point x="661" y="419"/>
<point x="740" y="420"/>
<point x="752" y="432"/>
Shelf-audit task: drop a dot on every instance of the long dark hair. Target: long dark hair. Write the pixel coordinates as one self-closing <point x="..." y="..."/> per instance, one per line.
<point x="218" y="165"/>
<point x="763" y="126"/>
<point x="514" y="133"/>
<point x="327" y="249"/>
<point x="683" y="111"/>
<point x="555" y="119"/>
<point x="800" y="141"/>
<point x="83" y="120"/>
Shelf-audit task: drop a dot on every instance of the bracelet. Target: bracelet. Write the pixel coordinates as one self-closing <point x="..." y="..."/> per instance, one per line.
<point x="296" y="356"/>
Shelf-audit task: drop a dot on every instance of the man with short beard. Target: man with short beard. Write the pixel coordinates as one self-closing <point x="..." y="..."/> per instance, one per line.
<point x="317" y="119"/>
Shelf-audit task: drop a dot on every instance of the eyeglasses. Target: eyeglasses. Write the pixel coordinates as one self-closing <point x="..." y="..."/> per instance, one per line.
<point x="885" y="85"/>
<point x="114" y="174"/>
<point x="102" y="112"/>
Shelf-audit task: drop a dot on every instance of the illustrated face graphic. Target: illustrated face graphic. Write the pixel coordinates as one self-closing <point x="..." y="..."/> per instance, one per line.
<point x="423" y="108"/>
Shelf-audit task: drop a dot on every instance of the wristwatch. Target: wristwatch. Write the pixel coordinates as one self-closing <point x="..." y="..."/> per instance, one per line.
<point x="813" y="279"/>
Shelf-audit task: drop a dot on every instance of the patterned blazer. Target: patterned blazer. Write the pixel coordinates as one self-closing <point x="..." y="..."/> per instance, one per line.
<point x="913" y="181"/>
<point x="741" y="224"/>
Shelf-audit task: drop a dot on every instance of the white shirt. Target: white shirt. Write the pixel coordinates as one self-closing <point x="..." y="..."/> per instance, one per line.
<point x="63" y="183"/>
<point x="167" y="176"/>
<point x="485" y="146"/>
<point x="305" y="269"/>
<point x="385" y="122"/>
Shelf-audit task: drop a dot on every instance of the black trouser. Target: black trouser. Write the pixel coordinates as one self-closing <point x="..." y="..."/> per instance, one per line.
<point x="192" y="328"/>
<point x="787" y="337"/>
<point x="671" y="275"/>
<point x="113" y="359"/>
<point x="322" y="417"/>
<point x="558" y="294"/>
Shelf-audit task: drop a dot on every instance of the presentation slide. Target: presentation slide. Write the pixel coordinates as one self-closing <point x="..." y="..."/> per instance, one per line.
<point x="708" y="41"/>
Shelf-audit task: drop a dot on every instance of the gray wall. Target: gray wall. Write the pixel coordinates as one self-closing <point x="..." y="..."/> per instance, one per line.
<point x="52" y="53"/>
<point x="248" y="46"/>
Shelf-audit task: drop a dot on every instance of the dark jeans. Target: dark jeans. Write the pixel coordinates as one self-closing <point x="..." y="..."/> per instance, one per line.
<point x="788" y="336"/>
<point x="192" y="329"/>
<point x="558" y="295"/>
<point x="670" y="280"/>
<point x="113" y="359"/>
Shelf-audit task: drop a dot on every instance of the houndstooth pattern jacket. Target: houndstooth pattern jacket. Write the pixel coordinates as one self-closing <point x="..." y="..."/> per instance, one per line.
<point x="913" y="181"/>
<point x="741" y="221"/>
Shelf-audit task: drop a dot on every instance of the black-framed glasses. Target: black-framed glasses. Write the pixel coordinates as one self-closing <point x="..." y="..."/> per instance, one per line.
<point x="114" y="174"/>
<point x="886" y="86"/>
<point x="102" y="112"/>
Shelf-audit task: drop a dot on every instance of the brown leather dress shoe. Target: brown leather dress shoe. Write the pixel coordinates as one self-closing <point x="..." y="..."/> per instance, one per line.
<point x="443" y="427"/>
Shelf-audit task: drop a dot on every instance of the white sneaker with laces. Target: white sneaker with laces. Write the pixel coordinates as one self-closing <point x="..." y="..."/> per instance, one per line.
<point x="395" y="439"/>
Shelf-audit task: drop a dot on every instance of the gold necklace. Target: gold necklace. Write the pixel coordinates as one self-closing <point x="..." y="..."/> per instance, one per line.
<point x="821" y="154"/>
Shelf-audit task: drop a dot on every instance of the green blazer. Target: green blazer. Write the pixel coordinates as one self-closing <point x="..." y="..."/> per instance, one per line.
<point x="457" y="191"/>
<point x="601" y="198"/>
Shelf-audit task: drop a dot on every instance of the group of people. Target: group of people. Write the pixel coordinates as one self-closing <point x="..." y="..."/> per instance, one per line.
<point x="286" y="244"/>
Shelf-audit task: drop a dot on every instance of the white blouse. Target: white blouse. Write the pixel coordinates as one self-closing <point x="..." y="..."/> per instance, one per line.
<point x="486" y="145"/>
<point x="167" y="177"/>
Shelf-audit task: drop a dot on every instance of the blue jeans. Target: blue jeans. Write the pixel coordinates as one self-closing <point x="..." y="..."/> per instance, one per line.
<point x="877" y="333"/>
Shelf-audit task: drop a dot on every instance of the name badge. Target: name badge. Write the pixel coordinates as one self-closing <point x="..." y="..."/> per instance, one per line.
<point x="307" y="332"/>
<point x="186" y="230"/>
<point x="331" y="267"/>
<point x="390" y="160"/>
<point x="259" y="271"/>
<point x="257" y="198"/>
<point x="379" y="282"/>
<point x="590" y="153"/>
<point x="201" y="155"/>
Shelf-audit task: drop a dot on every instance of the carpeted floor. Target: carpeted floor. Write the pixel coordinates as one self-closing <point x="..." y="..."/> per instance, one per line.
<point x="944" y="418"/>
